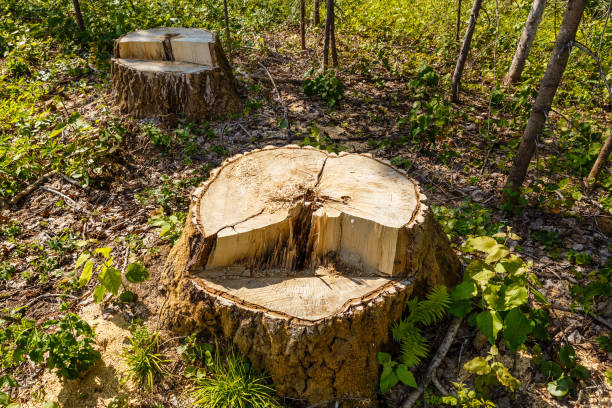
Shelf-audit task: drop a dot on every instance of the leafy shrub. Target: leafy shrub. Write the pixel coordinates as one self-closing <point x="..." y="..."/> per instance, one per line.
<point x="170" y="227"/>
<point x="564" y="373"/>
<point x="232" y="384"/>
<point x="143" y="358"/>
<point x="468" y="219"/>
<point x="490" y="373"/>
<point x="325" y="85"/>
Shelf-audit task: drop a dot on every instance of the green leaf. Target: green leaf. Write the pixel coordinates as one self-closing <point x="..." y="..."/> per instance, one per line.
<point x="460" y="308"/>
<point x="51" y="404"/>
<point x="127" y="296"/>
<point x="483" y="244"/>
<point x="111" y="279"/>
<point x="388" y="378"/>
<point x="478" y="366"/>
<point x="86" y="274"/>
<point x="81" y="259"/>
<point x="465" y="290"/>
<point x="515" y="295"/>
<point x="383" y="358"/>
<point x="104" y="251"/>
<point x="405" y="375"/>
<point x="550" y="369"/>
<point x="509" y="266"/>
<point x="490" y="323"/>
<point x="567" y="357"/>
<point x="580" y="373"/>
<point x="539" y="297"/>
<point x="137" y="273"/>
<point x="504" y="377"/>
<point x="99" y="293"/>
<point x="497" y="253"/>
<point x="483" y="277"/>
<point x="516" y="328"/>
<point x="560" y="387"/>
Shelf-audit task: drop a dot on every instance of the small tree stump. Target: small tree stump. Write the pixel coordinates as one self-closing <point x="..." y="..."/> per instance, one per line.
<point x="303" y="259"/>
<point x="168" y="71"/>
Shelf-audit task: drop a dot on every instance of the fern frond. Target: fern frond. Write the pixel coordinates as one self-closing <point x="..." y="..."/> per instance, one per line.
<point x="414" y="348"/>
<point x="433" y="308"/>
<point x="401" y="329"/>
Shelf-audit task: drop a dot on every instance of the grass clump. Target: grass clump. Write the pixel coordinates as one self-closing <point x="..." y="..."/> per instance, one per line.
<point x="232" y="384"/>
<point x="145" y="362"/>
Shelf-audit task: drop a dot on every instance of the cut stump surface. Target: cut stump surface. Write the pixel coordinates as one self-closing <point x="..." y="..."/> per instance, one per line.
<point x="303" y="259"/>
<point x="167" y="71"/>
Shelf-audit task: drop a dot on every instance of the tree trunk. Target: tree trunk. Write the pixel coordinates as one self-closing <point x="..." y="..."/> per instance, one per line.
<point x="78" y="15"/>
<point x="546" y="94"/>
<point x="524" y="44"/>
<point x="316" y="17"/>
<point x="303" y="23"/>
<point x="334" y="51"/>
<point x="458" y="20"/>
<point x="602" y="158"/>
<point x="303" y="260"/>
<point x="465" y="49"/>
<point x="228" y="37"/>
<point x="169" y="71"/>
<point x="328" y="22"/>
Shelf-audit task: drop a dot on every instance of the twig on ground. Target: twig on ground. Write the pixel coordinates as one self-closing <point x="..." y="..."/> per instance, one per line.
<point x="578" y="311"/>
<point x="30" y="188"/>
<point x="244" y="130"/>
<point x="436" y="382"/>
<point x="435" y="362"/>
<point x="71" y="180"/>
<point x="280" y="99"/>
<point x="66" y="199"/>
<point x="46" y="295"/>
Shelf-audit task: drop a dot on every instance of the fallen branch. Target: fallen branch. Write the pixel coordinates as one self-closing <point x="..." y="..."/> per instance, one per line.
<point x="435" y="362"/>
<point x="280" y="99"/>
<point x="46" y="295"/>
<point x="578" y="311"/>
<point x="66" y="199"/>
<point x="30" y="188"/>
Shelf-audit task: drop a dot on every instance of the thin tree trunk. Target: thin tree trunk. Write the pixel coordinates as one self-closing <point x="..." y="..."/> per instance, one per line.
<point x="601" y="160"/>
<point x="329" y="6"/>
<point x="524" y="44"/>
<point x="303" y="23"/>
<point x="79" y="15"/>
<point x="465" y="49"/>
<point x="316" y="13"/>
<point x="227" y="30"/>
<point x="334" y="51"/>
<point x="546" y="94"/>
<point x="458" y="20"/>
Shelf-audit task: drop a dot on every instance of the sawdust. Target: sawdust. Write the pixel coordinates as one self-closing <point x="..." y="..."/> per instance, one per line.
<point x="102" y="382"/>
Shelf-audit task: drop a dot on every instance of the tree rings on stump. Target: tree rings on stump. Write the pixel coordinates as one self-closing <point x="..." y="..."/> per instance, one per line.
<point x="303" y="259"/>
<point x="173" y="71"/>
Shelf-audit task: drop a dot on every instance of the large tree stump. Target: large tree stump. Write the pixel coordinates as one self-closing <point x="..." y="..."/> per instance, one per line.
<point x="303" y="259"/>
<point x="169" y="71"/>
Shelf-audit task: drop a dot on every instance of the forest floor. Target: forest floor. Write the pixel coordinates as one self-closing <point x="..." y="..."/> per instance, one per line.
<point x="146" y="180"/>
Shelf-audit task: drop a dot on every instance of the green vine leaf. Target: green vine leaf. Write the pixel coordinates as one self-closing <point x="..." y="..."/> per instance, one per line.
<point x="490" y="323"/>
<point x="516" y="328"/>
<point x="111" y="279"/>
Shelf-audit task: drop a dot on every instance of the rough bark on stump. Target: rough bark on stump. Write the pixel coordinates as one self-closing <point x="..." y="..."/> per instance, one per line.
<point x="303" y="259"/>
<point x="168" y="71"/>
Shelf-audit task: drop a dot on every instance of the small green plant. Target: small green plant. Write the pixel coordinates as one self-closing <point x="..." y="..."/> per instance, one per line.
<point x="195" y="353"/>
<point x="407" y="332"/>
<point x="170" y="227"/>
<point x="143" y="357"/>
<point x="10" y="230"/>
<point x="232" y="383"/>
<point x="325" y="85"/>
<point x="7" y="381"/>
<point x="109" y="277"/>
<point x="490" y="373"/>
<point x="466" y="398"/>
<point x="317" y="139"/>
<point x="156" y="135"/>
<point x="548" y="238"/>
<point x="597" y="288"/>
<point x="468" y="219"/>
<point x="605" y="342"/>
<point x="65" y="345"/>
<point x="564" y="373"/>
<point x="7" y="271"/>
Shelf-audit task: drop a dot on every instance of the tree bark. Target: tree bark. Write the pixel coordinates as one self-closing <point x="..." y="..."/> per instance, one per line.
<point x="78" y="15"/>
<point x="465" y="49"/>
<point x="524" y="44"/>
<point x="328" y="22"/>
<point x="546" y="94"/>
<point x="302" y="261"/>
<point x="334" y="51"/>
<point x="303" y="23"/>
<point x="602" y="158"/>
<point x="227" y="30"/>
<point x="458" y="20"/>
<point x="316" y="17"/>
